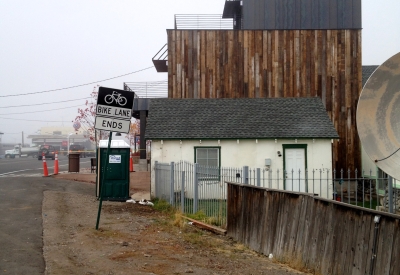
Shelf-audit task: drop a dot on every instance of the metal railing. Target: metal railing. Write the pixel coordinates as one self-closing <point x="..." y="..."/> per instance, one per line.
<point x="153" y="89"/>
<point x="204" y="22"/>
<point x="192" y="187"/>
<point x="160" y="59"/>
<point x="162" y="54"/>
<point x="377" y="193"/>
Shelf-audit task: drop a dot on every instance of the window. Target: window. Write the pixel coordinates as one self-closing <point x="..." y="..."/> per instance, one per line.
<point x="208" y="159"/>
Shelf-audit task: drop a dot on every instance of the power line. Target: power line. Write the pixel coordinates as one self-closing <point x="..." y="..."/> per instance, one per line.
<point x="66" y="88"/>
<point x="54" y="102"/>
<point x="45" y="103"/>
<point x="31" y="119"/>
<point x="20" y="113"/>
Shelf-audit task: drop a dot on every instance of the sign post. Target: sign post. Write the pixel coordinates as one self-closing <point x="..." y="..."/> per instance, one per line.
<point x="113" y="113"/>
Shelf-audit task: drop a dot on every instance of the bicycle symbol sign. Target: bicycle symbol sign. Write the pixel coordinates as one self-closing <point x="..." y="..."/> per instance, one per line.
<point x="117" y="97"/>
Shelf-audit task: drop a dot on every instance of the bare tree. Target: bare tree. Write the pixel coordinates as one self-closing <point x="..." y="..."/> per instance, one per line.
<point x="86" y="117"/>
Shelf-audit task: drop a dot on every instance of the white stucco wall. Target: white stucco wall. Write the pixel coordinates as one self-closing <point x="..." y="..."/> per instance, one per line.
<point x="252" y="153"/>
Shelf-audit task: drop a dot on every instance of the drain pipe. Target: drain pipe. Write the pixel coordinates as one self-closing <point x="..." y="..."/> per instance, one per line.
<point x="376" y="230"/>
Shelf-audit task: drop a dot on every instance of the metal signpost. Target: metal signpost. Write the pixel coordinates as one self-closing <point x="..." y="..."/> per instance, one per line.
<point x="113" y="113"/>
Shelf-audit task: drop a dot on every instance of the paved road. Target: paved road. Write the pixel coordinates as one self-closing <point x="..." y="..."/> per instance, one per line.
<point x="21" y="245"/>
<point x="31" y="167"/>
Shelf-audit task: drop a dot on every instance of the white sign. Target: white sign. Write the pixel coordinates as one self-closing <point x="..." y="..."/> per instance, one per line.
<point x="114" y="159"/>
<point x="110" y="111"/>
<point x="112" y="124"/>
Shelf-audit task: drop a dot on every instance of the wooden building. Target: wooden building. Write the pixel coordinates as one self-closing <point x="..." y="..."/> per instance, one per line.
<point x="289" y="52"/>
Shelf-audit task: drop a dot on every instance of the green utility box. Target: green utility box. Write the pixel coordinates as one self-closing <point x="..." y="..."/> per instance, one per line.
<point x="116" y="178"/>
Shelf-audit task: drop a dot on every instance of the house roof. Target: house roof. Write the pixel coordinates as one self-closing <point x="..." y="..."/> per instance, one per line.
<point x="367" y="71"/>
<point x="233" y="118"/>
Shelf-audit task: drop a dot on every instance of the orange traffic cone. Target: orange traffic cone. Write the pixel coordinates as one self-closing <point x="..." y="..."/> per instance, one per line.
<point x="45" y="171"/>
<point x="131" y="164"/>
<point x="56" y="164"/>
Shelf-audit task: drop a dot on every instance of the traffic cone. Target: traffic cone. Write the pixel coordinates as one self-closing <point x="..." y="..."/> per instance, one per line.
<point x="56" y="164"/>
<point x="45" y="171"/>
<point x="131" y="164"/>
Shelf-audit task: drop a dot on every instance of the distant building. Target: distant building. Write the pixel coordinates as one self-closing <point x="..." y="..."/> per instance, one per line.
<point x="58" y="137"/>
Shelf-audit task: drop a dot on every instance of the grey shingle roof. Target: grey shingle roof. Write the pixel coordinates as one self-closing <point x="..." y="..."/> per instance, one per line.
<point x="367" y="72"/>
<point x="225" y="118"/>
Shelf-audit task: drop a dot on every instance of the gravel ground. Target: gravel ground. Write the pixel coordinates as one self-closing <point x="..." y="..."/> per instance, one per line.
<point x="136" y="239"/>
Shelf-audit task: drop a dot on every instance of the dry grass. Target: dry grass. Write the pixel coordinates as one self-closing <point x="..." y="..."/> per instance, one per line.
<point x="178" y="220"/>
<point x="295" y="262"/>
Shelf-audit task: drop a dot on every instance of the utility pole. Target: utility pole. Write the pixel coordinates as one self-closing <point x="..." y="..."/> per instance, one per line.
<point x="23" y="139"/>
<point x="1" y="144"/>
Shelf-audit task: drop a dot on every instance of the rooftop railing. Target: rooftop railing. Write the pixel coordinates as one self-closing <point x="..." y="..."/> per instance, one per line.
<point x="153" y="89"/>
<point x="206" y="22"/>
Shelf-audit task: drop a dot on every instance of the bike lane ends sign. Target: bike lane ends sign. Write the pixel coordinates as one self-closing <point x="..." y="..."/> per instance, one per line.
<point x="114" y="110"/>
<point x="114" y="125"/>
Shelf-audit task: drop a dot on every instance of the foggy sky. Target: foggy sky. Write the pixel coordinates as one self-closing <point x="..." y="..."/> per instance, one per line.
<point x="47" y="44"/>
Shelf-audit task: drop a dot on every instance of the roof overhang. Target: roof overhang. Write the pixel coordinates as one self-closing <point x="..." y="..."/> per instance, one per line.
<point x="231" y="8"/>
<point x="140" y="104"/>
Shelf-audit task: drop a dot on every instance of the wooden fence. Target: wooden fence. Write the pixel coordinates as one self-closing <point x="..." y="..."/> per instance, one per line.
<point x="325" y="236"/>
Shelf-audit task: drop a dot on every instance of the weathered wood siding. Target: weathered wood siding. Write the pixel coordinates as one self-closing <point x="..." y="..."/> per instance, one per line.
<point x="274" y="63"/>
<point x="323" y="235"/>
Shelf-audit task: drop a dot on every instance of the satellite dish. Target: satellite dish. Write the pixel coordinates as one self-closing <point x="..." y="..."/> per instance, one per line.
<point x="378" y="116"/>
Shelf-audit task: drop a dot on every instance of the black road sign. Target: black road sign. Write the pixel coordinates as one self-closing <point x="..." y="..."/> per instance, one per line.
<point x="114" y="110"/>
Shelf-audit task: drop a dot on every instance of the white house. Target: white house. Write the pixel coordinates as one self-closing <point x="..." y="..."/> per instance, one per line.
<point x="285" y="134"/>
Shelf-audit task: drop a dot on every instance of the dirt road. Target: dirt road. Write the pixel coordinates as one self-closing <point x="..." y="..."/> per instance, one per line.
<point x="136" y="239"/>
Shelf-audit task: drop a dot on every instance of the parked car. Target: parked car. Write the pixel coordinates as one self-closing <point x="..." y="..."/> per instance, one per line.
<point x="48" y="150"/>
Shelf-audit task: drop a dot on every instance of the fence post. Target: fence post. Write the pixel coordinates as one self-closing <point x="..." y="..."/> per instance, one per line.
<point x="348" y="186"/>
<point x="327" y="183"/>
<point x="183" y="193"/>
<point x="156" y="177"/>
<point x="171" y="192"/>
<point x="195" y="187"/>
<point x="246" y="174"/>
<point x="258" y="176"/>
<point x="390" y="194"/>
